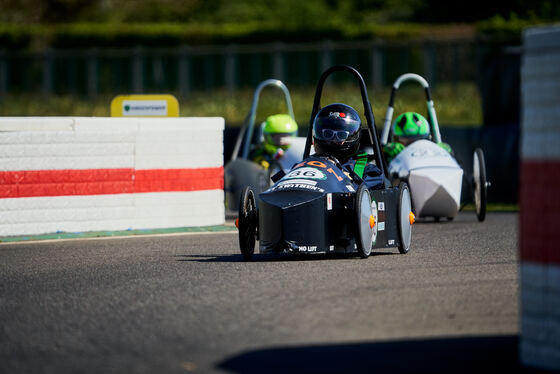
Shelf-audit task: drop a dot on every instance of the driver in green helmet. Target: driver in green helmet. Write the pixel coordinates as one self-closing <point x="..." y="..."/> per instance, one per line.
<point x="277" y="132"/>
<point x="407" y="128"/>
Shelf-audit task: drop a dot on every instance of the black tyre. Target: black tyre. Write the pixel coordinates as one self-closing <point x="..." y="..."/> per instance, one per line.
<point x="479" y="184"/>
<point x="403" y="218"/>
<point x="247" y="224"/>
<point x="364" y="235"/>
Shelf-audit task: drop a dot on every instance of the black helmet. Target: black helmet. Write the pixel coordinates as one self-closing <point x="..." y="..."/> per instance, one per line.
<point x="336" y="131"/>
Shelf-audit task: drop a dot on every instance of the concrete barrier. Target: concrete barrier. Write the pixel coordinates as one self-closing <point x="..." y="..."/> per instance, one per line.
<point x="540" y="200"/>
<point x="76" y="174"/>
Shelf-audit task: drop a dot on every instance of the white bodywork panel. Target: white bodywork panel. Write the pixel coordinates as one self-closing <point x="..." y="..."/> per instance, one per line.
<point x="434" y="177"/>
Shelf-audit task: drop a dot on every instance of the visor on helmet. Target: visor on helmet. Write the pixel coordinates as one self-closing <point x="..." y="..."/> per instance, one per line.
<point x="335" y="130"/>
<point x="280" y="140"/>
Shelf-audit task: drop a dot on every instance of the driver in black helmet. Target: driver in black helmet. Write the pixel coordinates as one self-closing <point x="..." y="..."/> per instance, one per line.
<point x="337" y="133"/>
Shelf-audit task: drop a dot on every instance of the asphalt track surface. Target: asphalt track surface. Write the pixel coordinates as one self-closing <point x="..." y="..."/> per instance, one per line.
<point x="189" y="303"/>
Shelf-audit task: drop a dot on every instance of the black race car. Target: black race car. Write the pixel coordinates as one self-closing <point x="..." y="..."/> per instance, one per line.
<point x="320" y="206"/>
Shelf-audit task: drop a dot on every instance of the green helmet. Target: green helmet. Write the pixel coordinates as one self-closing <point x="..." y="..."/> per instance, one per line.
<point x="278" y="129"/>
<point x="409" y="127"/>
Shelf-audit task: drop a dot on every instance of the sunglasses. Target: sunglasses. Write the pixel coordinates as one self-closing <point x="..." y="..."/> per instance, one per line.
<point x="329" y="134"/>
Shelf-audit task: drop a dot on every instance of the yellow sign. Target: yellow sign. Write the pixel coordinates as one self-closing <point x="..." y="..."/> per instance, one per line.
<point x="145" y="106"/>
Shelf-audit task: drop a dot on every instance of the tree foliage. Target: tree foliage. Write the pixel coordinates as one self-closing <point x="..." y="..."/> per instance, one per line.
<point x="291" y="13"/>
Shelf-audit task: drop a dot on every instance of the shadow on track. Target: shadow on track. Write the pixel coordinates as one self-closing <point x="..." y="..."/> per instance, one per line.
<point x="432" y="220"/>
<point x="447" y="355"/>
<point x="275" y="257"/>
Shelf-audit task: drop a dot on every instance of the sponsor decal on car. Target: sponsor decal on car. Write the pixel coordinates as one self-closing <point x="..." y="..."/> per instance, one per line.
<point x="301" y="186"/>
<point x="429" y="152"/>
<point x="307" y="248"/>
<point x="304" y="181"/>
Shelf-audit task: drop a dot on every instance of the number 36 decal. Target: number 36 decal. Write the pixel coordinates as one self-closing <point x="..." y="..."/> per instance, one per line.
<point x="317" y="164"/>
<point x="311" y="173"/>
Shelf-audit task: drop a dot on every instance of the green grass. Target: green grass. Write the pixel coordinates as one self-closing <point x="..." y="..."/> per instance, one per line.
<point x="495" y="207"/>
<point x="102" y="234"/>
<point x="456" y="105"/>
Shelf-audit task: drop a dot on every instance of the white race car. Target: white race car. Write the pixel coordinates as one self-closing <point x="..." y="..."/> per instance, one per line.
<point x="434" y="176"/>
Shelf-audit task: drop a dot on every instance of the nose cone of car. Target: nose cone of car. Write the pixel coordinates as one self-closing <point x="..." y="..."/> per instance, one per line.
<point x="291" y="219"/>
<point x="436" y="192"/>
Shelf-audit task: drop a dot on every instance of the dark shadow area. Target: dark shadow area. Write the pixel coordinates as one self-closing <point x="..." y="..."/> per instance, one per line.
<point x="501" y="152"/>
<point x="209" y="258"/>
<point x="282" y="257"/>
<point x="498" y="354"/>
<point x="469" y="216"/>
<point x="431" y="220"/>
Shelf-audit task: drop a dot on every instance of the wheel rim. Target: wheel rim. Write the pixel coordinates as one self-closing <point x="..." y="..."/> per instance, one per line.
<point x="406" y="227"/>
<point x="365" y="231"/>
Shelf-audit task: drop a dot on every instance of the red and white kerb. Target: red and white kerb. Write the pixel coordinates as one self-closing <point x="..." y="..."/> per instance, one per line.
<point x="540" y="200"/>
<point x="90" y="174"/>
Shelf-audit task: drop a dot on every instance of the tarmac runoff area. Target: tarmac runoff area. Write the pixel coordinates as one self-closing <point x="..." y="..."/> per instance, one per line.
<point x="179" y="303"/>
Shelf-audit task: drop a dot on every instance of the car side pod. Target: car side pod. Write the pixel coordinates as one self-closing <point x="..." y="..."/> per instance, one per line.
<point x="374" y="224"/>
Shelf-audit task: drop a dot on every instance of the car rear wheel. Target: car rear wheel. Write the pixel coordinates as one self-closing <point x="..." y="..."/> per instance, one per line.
<point x="479" y="184"/>
<point x="364" y="218"/>
<point x="405" y="218"/>
<point x="247" y="224"/>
